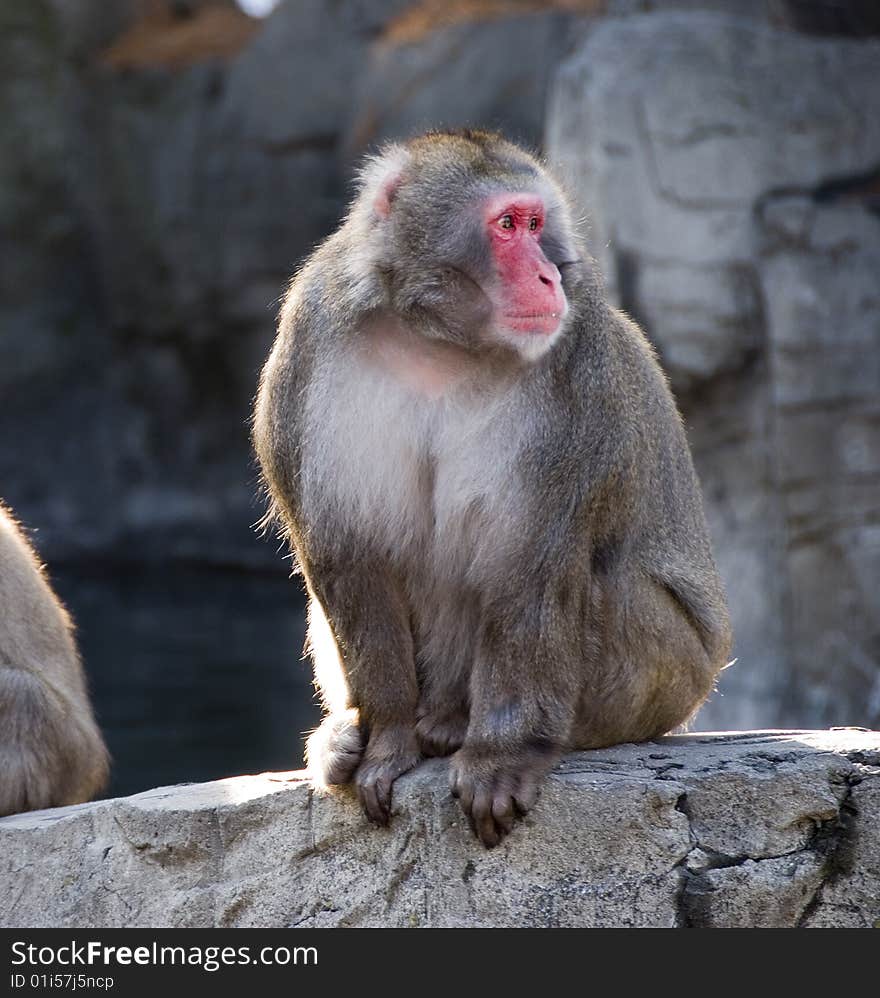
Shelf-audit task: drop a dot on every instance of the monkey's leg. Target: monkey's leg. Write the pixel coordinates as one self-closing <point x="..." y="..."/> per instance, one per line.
<point x="524" y="692"/>
<point x="655" y="668"/>
<point x="51" y="752"/>
<point x="369" y="620"/>
<point x="335" y="748"/>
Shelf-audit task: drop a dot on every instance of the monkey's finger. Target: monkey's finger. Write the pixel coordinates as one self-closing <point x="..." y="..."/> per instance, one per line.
<point x="383" y="795"/>
<point x="484" y="824"/>
<point x="489" y="834"/>
<point x="526" y="793"/>
<point x="457" y="781"/>
<point x="503" y="810"/>
<point x="465" y="787"/>
<point x="453" y="782"/>
<point x="375" y="801"/>
<point x="371" y="806"/>
<point x="503" y="806"/>
<point x="465" y="795"/>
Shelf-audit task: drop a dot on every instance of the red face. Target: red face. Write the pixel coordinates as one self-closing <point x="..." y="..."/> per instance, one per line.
<point x="532" y="300"/>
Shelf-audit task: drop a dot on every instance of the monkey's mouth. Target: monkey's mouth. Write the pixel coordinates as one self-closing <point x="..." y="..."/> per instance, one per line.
<point x="534" y="322"/>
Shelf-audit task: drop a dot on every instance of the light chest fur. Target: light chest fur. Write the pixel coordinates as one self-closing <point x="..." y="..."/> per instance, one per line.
<point x="408" y="449"/>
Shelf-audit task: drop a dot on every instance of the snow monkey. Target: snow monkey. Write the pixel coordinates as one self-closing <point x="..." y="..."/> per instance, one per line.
<point x="486" y="485"/>
<point x="51" y="751"/>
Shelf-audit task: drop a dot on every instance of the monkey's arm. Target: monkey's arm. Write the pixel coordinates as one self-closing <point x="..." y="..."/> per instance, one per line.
<point x="363" y="656"/>
<point x="524" y="693"/>
<point x="369" y="621"/>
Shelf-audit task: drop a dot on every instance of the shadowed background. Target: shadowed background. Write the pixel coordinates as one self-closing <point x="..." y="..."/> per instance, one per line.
<point x="165" y="165"/>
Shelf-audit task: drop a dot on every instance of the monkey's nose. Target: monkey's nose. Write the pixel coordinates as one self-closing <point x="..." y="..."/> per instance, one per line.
<point x="548" y="275"/>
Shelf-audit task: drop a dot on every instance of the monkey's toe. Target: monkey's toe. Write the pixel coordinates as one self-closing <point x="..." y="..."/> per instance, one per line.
<point x="441" y="735"/>
<point x="335" y="749"/>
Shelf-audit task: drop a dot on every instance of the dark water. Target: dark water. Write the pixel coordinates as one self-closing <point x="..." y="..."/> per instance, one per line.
<point x="195" y="675"/>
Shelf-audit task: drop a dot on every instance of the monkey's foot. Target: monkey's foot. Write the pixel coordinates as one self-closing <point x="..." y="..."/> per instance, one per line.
<point x="495" y="788"/>
<point x="390" y="753"/>
<point x="334" y="750"/>
<point x="442" y="733"/>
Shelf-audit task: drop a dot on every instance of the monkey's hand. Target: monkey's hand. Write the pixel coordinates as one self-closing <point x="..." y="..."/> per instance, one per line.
<point x="390" y="753"/>
<point x="495" y="786"/>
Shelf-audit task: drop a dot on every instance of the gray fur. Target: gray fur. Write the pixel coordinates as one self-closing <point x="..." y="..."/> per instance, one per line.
<point x="51" y="751"/>
<point x="505" y="548"/>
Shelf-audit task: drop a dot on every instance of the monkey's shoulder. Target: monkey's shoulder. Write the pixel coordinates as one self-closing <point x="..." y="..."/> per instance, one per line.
<point x="618" y="368"/>
<point x="35" y="628"/>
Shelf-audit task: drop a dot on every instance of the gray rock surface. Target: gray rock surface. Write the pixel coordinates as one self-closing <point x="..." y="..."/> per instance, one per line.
<point x="478" y="73"/>
<point x="151" y="214"/>
<point x="741" y="829"/>
<point x="730" y="172"/>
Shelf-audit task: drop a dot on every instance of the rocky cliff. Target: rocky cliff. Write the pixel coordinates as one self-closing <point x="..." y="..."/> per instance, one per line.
<point x="731" y="172"/>
<point x="164" y="167"/>
<point x="747" y="829"/>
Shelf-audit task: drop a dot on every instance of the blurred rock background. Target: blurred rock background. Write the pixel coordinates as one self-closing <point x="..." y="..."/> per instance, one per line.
<point x="164" y="165"/>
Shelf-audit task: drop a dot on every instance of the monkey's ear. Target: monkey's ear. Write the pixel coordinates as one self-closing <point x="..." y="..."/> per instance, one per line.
<point x="381" y="178"/>
<point x="386" y="195"/>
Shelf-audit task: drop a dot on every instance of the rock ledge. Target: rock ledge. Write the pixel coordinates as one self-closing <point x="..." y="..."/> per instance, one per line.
<point x="759" y="828"/>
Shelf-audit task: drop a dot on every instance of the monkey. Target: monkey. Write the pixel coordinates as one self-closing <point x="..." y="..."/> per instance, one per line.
<point x="486" y="485"/>
<point x="51" y="750"/>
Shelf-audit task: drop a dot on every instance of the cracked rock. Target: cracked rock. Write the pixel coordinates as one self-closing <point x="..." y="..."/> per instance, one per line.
<point x="766" y="893"/>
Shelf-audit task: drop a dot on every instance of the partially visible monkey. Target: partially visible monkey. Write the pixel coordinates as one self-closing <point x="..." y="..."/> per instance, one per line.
<point x="487" y="487"/>
<point x="51" y="751"/>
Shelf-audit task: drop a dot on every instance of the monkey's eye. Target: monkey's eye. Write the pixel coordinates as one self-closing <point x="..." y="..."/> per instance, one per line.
<point x="506" y="221"/>
<point x="533" y="224"/>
